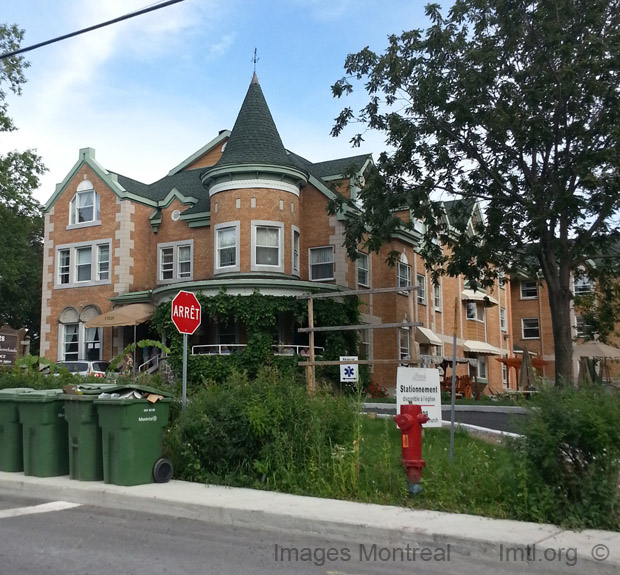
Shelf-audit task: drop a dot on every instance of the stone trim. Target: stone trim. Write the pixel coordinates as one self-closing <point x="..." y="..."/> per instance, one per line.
<point x="124" y="251"/>
<point x="47" y="280"/>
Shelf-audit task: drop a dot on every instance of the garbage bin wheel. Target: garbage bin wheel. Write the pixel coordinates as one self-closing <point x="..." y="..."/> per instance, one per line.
<point x="162" y="470"/>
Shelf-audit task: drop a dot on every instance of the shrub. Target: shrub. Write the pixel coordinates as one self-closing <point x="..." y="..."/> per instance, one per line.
<point x="267" y="431"/>
<point x="567" y="464"/>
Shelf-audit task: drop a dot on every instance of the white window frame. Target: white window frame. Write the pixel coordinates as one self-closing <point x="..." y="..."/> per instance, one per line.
<point x="437" y="296"/>
<point x="311" y="264"/>
<point x="254" y="265"/>
<point x="65" y="343"/>
<point x="103" y="265"/>
<point x="217" y="269"/>
<point x="478" y="308"/>
<point x="74" y="210"/>
<point x="295" y="251"/>
<point x="482" y="367"/>
<point x="580" y="326"/>
<point x="90" y="339"/>
<point x="403" y="276"/>
<point x="85" y="337"/>
<point x="420" y="282"/>
<point x="531" y="327"/>
<point x="176" y="261"/>
<point x="95" y="270"/>
<point x="503" y="324"/>
<point x="582" y="285"/>
<point x="404" y="343"/>
<point x="362" y="267"/>
<point x="504" y="374"/>
<point x="364" y="343"/>
<point x="78" y="264"/>
<point x="526" y="285"/>
<point x="63" y="264"/>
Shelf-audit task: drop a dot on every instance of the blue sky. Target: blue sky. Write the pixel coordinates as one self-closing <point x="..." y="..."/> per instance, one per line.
<point x="148" y="92"/>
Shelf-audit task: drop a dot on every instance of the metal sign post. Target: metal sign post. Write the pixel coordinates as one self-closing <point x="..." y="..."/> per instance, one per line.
<point x="184" y="392"/>
<point x="186" y="316"/>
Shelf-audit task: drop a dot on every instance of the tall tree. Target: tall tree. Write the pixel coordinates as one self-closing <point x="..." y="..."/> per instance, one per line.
<point x="511" y="103"/>
<point x="21" y="226"/>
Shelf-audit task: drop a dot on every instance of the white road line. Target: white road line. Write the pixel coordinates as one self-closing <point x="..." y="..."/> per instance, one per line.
<point x="43" y="508"/>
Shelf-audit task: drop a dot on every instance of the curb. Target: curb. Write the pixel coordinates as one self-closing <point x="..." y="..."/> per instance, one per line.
<point x="394" y="527"/>
<point x="480" y="408"/>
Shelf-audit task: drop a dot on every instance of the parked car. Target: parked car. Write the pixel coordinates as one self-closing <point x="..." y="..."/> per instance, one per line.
<point x="97" y="368"/>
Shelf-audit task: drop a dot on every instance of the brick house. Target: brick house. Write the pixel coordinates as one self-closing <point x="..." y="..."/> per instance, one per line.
<point x="245" y="214"/>
<point x="531" y="321"/>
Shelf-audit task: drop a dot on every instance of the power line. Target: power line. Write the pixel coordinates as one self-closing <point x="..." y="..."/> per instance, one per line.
<point x="91" y="28"/>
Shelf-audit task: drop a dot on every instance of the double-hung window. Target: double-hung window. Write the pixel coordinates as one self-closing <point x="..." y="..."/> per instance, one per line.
<point x="83" y="264"/>
<point x="502" y="319"/>
<point x="71" y="342"/>
<point x="64" y="266"/>
<point x="403" y="343"/>
<point x="175" y="261"/>
<point x="103" y="262"/>
<point x="437" y="296"/>
<point x="267" y="248"/>
<point x="529" y="289"/>
<point x="227" y="247"/>
<point x="582" y="285"/>
<point x="530" y="328"/>
<point x="404" y="275"/>
<point x="475" y="311"/>
<point x="361" y="264"/>
<point x="420" y="282"/>
<point x="84" y="208"/>
<point x="295" y="251"/>
<point x="322" y="263"/>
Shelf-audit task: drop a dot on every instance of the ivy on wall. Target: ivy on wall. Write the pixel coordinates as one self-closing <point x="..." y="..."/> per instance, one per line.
<point x="259" y="314"/>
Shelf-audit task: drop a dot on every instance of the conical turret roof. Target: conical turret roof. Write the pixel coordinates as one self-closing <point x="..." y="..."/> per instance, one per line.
<point x="254" y="138"/>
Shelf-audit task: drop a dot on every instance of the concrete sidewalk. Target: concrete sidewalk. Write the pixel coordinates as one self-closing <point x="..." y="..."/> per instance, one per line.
<point x="472" y="536"/>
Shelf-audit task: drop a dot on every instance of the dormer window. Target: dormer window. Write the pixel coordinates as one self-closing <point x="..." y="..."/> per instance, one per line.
<point x="84" y="205"/>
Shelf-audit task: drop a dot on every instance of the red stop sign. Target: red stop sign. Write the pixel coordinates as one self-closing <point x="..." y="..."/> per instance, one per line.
<point x="186" y="312"/>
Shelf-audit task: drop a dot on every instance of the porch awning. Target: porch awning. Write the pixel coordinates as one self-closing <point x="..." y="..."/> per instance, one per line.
<point x="481" y="347"/>
<point x="471" y="295"/>
<point x="426" y="336"/>
<point x="133" y="314"/>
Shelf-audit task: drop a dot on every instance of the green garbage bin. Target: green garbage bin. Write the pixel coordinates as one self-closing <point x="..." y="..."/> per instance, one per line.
<point x="85" y="447"/>
<point x="44" y="433"/>
<point x="11" y="441"/>
<point x="132" y="434"/>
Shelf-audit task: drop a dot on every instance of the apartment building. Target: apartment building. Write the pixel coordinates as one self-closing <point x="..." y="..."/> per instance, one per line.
<point x="246" y="215"/>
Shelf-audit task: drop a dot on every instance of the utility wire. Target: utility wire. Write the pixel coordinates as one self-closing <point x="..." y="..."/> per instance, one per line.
<point x="91" y="28"/>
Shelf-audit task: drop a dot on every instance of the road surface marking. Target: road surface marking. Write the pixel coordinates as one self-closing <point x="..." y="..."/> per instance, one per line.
<point x="43" y="508"/>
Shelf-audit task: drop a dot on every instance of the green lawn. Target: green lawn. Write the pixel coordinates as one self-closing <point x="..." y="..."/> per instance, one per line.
<point x="471" y="484"/>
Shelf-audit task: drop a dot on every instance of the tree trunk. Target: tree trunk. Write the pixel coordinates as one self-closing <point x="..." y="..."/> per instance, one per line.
<point x="560" y="297"/>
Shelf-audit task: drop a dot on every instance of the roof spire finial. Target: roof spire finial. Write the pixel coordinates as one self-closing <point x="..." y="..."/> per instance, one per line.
<point x="254" y="60"/>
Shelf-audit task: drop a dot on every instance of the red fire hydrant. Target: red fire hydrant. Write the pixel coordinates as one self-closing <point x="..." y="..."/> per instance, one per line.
<point x="410" y="421"/>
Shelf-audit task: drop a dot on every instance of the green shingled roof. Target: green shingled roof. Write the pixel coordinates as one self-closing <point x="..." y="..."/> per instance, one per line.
<point x="254" y="138"/>
<point x="324" y="170"/>
<point x="187" y="183"/>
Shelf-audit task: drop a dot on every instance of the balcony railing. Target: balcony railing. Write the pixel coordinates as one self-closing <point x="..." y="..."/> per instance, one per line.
<point x="227" y="349"/>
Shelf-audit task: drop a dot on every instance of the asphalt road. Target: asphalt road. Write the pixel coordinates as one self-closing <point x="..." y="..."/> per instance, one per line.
<point x="88" y="540"/>
<point x="491" y="420"/>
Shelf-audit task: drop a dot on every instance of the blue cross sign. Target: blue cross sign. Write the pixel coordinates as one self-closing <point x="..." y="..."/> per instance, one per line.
<point x="348" y="372"/>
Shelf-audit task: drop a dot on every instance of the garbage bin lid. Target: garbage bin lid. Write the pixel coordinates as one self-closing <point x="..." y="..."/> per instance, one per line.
<point x="134" y="387"/>
<point x="11" y="393"/>
<point x="41" y="395"/>
<point x="94" y="388"/>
